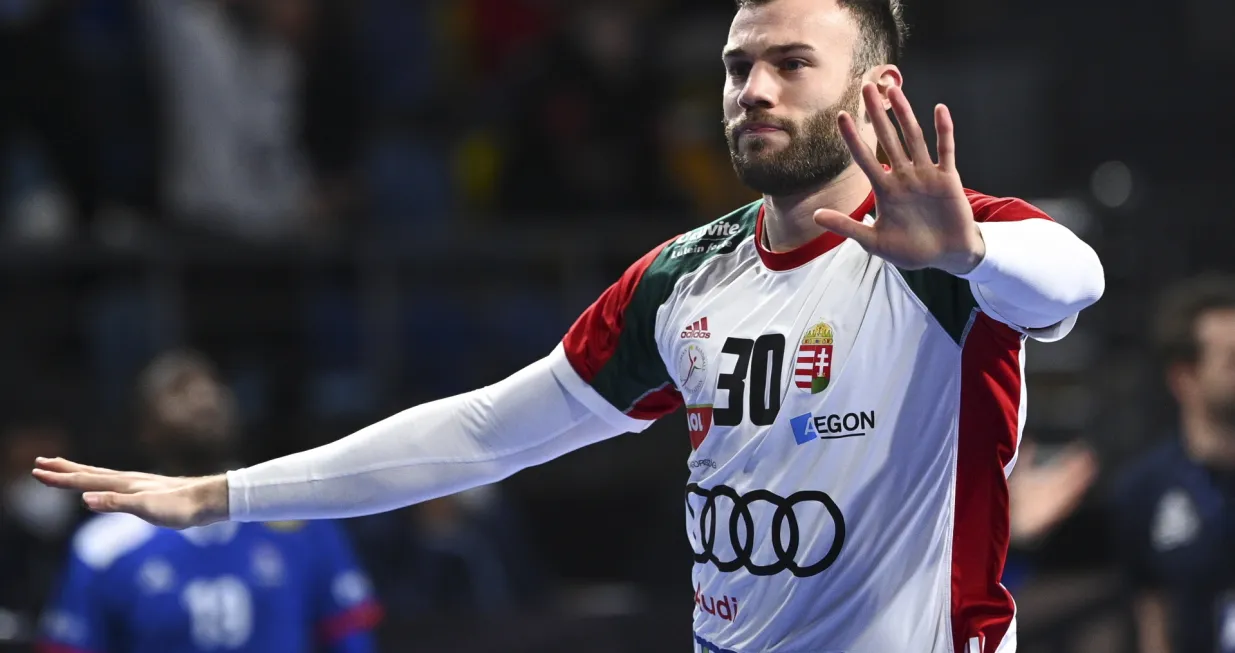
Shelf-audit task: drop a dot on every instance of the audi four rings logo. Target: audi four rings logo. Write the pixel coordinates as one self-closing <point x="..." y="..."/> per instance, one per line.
<point x="741" y="535"/>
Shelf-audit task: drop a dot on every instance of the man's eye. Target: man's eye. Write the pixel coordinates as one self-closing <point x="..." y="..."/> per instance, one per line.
<point x="793" y="64"/>
<point x="739" y="69"/>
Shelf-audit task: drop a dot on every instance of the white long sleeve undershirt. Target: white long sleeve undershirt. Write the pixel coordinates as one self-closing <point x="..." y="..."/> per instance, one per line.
<point x="1036" y="276"/>
<point x="432" y="450"/>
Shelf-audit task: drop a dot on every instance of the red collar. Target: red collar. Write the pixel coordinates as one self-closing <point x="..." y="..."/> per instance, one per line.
<point x="794" y="258"/>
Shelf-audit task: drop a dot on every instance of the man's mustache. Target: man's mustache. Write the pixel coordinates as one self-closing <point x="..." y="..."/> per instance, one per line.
<point x="758" y="118"/>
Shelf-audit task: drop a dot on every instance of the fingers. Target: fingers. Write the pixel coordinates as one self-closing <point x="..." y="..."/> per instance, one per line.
<point x="946" y="143"/>
<point x="885" y="131"/>
<point x="862" y="154"/>
<point x="844" y="225"/>
<point x="1080" y="464"/>
<point x="68" y="466"/>
<point x="86" y="481"/>
<point x="914" y="140"/>
<point x="63" y="466"/>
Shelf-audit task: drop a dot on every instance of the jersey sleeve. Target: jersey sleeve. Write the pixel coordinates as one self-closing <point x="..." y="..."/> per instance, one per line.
<point x="609" y="359"/>
<point x="952" y="300"/>
<point x="76" y="620"/>
<point x="345" y="608"/>
<point x="1003" y="209"/>
<point x="1069" y="252"/>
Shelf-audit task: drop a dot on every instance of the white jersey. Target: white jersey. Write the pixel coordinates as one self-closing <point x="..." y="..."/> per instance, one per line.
<point x="853" y="425"/>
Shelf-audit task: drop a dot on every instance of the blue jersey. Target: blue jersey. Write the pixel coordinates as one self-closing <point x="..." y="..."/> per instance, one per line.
<point x="130" y="587"/>
<point x="1175" y="535"/>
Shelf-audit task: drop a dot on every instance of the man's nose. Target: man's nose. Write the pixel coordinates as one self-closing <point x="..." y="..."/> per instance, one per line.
<point x="761" y="89"/>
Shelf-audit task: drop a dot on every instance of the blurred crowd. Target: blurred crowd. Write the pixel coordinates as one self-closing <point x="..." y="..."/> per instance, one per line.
<point x="308" y="119"/>
<point x="311" y="213"/>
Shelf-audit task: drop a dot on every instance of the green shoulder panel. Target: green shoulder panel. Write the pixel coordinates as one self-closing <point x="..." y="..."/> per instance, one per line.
<point x="947" y="297"/>
<point x="635" y="368"/>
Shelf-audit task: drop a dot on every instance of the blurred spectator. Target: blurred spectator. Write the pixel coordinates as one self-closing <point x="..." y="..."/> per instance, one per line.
<point x="1045" y="492"/>
<point x="130" y="586"/>
<point x="47" y="183"/>
<point x="1175" y="509"/>
<point x="700" y="171"/>
<point x="585" y="133"/>
<point x="35" y="521"/>
<point x="459" y="554"/>
<point x="232" y="75"/>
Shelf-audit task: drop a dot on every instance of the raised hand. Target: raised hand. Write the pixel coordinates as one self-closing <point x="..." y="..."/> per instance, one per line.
<point x="161" y="500"/>
<point x="923" y="217"/>
<point x="1043" y="495"/>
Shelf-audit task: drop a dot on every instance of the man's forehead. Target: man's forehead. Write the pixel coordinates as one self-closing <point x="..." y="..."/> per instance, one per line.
<point x="820" y="25"/>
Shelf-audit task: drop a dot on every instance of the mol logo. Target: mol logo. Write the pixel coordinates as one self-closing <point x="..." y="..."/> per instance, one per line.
<point x="810" y="427"/>
<point x="698" y="422"/>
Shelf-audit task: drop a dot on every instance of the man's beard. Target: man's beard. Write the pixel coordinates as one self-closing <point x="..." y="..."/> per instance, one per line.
<point x="816" y="153"/>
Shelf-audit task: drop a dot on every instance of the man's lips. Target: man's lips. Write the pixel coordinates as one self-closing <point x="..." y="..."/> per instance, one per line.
<point x="758" y="128"/>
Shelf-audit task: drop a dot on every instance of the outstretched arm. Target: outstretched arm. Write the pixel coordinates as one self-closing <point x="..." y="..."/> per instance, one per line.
<point x="425" y="452"/>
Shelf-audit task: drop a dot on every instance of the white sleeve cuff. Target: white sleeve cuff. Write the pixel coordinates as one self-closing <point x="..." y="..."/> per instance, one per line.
<point x="1052" y="333"/>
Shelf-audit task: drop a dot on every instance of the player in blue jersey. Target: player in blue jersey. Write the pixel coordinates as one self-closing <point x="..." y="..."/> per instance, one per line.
<point x="131" y="587"/>
<point x="1174" y="510"/>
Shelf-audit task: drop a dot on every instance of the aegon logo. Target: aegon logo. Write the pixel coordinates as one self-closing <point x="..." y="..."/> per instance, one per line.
<point x="831" y="427"/>
<point x="717" y="230"/>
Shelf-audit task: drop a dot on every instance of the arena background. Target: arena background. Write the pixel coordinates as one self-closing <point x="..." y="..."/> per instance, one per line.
<point x="422" y="196"/>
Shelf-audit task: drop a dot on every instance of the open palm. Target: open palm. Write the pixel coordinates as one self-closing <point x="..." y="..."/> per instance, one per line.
<point x="161" y="500"/>
<point x="923" y="217"/>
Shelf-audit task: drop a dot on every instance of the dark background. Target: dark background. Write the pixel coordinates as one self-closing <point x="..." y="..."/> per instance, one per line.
<point x="474" y="173"/>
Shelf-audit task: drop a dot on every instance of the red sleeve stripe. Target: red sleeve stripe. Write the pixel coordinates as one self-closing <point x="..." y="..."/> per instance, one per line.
<point x="1002" y="209"/>
<point x="362" y="617"/>
<point x="991" y="396"/>
<point x="656" y="404"/>
<point x="594" y="337"/>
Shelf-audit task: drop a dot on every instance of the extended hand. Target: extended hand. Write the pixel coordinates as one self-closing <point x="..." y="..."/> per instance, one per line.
<point x="161" y="500"/>
<point x="923" y="217"/>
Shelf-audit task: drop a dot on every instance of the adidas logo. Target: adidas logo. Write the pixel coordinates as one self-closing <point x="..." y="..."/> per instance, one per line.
<point x="697" y="330"/>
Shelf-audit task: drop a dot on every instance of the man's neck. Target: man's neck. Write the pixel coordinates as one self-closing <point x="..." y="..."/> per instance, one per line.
<point x="788" y="221"/>
<point x="1209" y="441"/>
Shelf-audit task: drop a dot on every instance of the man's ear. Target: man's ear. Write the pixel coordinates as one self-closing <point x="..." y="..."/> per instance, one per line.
<point x="885" y="76"/>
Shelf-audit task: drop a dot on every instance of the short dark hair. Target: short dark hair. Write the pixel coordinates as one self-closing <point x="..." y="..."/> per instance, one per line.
<point x="1181" y="306"/>
<point x="883" y="29"/>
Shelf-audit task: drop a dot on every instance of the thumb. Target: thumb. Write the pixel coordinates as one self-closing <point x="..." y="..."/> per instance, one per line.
<point x="108" y="501"/>
<point x="149" y="506"/>
<point x="844" y="225"/>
